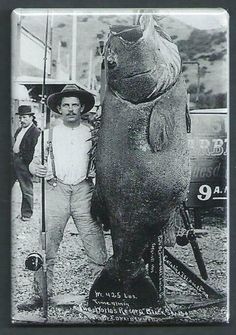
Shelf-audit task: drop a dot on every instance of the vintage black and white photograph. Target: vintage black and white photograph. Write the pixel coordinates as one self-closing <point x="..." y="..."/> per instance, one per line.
<point x="119" y="202"/>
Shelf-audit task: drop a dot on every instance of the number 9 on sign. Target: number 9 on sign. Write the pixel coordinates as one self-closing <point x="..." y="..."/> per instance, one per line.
<point x="205" y="192"/>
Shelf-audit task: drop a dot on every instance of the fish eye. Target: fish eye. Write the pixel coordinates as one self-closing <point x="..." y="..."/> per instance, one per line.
<point x="111" y="65"/>
<point x="111" y="59"/>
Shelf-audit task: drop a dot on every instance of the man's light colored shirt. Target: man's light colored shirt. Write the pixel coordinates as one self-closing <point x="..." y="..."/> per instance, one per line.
<point x="70" y="149"/>
<point x="20" y="135"/>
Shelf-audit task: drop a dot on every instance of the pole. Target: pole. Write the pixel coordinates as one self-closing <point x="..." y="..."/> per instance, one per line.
<point x="16" y="46"/>
<point x="74" y="51"/>
<point x="90" y="68"/>
<point x="44" y="289"/>
<point x="198" y="77"/>
<point x="58" y="59"/>
<point x="103" y="71"/>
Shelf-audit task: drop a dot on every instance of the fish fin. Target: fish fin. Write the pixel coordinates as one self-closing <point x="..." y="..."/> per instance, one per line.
<point x="98" y="210"/>
<point x="94" y="129"/>
<point x="188" y="120"/>
<point x="161" y="128"/>
<point x="163" y="33"/>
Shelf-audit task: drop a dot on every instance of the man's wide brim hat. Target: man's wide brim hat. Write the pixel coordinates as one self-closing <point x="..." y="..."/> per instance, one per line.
<point x="25" y="110"/>
<point x="86" y="98"/>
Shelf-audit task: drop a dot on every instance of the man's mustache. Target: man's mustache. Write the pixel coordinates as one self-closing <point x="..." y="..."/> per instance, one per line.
<point x="71" y="113"/>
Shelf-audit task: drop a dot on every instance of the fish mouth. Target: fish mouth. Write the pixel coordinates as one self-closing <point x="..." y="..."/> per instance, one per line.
<point x="130" y="43"/>
<point x="135" y="75"/>
<point x="129" y="35"/>
<point x="140" y="74"/>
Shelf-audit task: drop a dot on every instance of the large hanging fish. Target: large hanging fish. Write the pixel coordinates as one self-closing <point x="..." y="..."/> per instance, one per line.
<point x="142" y="156"/>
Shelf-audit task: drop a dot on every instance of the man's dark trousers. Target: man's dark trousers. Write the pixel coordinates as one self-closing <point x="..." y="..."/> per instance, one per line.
<point x="21" y="172"/>
<point x="20" y="167"/>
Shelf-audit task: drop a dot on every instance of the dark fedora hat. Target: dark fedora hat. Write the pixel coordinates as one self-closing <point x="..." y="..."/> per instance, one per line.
<point x="25" y="110"/>
<point x="86" y="98"/>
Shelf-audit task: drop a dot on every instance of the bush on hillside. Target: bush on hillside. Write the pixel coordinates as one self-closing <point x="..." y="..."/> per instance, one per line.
<point x="201" y="42"/>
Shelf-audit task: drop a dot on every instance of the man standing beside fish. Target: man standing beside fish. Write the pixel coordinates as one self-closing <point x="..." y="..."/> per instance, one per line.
<point x="69" y="187"/>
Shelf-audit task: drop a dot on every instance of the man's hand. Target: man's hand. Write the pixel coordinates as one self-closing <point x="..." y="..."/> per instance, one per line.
<point x="40" y="170"/>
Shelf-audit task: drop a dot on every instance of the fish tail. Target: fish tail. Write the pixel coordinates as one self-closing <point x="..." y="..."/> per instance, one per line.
<point x="109" y="289"/>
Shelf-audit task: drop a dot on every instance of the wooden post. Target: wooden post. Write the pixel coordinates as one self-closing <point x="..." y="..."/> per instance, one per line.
<point x="103" y="82"/>
<point x="16" y="46"/>
<point x="90" y="68"/>
<point x="74" y="48"/>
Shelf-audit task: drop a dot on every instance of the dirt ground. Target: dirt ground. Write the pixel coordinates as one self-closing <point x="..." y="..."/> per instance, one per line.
<point x="73" y="278"/>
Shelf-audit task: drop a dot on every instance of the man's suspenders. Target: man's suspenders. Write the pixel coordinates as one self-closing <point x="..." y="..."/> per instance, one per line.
<point x="50" y="149"/>
<point x="91" y="167"/>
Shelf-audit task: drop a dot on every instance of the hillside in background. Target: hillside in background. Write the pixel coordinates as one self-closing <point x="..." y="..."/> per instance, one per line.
<point x="207" y="47"/>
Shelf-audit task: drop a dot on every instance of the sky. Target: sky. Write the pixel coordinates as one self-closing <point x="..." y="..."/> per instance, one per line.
<point x="203" y="18"/>
<point x="207" y="22"/>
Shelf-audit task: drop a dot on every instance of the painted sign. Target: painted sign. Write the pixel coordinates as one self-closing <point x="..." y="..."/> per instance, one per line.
<point x="208" y="145"/>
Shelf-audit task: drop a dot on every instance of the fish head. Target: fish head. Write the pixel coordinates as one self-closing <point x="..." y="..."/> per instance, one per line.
<point x="137" y="66"/>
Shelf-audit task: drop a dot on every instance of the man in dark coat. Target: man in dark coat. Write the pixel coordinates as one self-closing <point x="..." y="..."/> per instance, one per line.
<point x="26" y="138"/>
